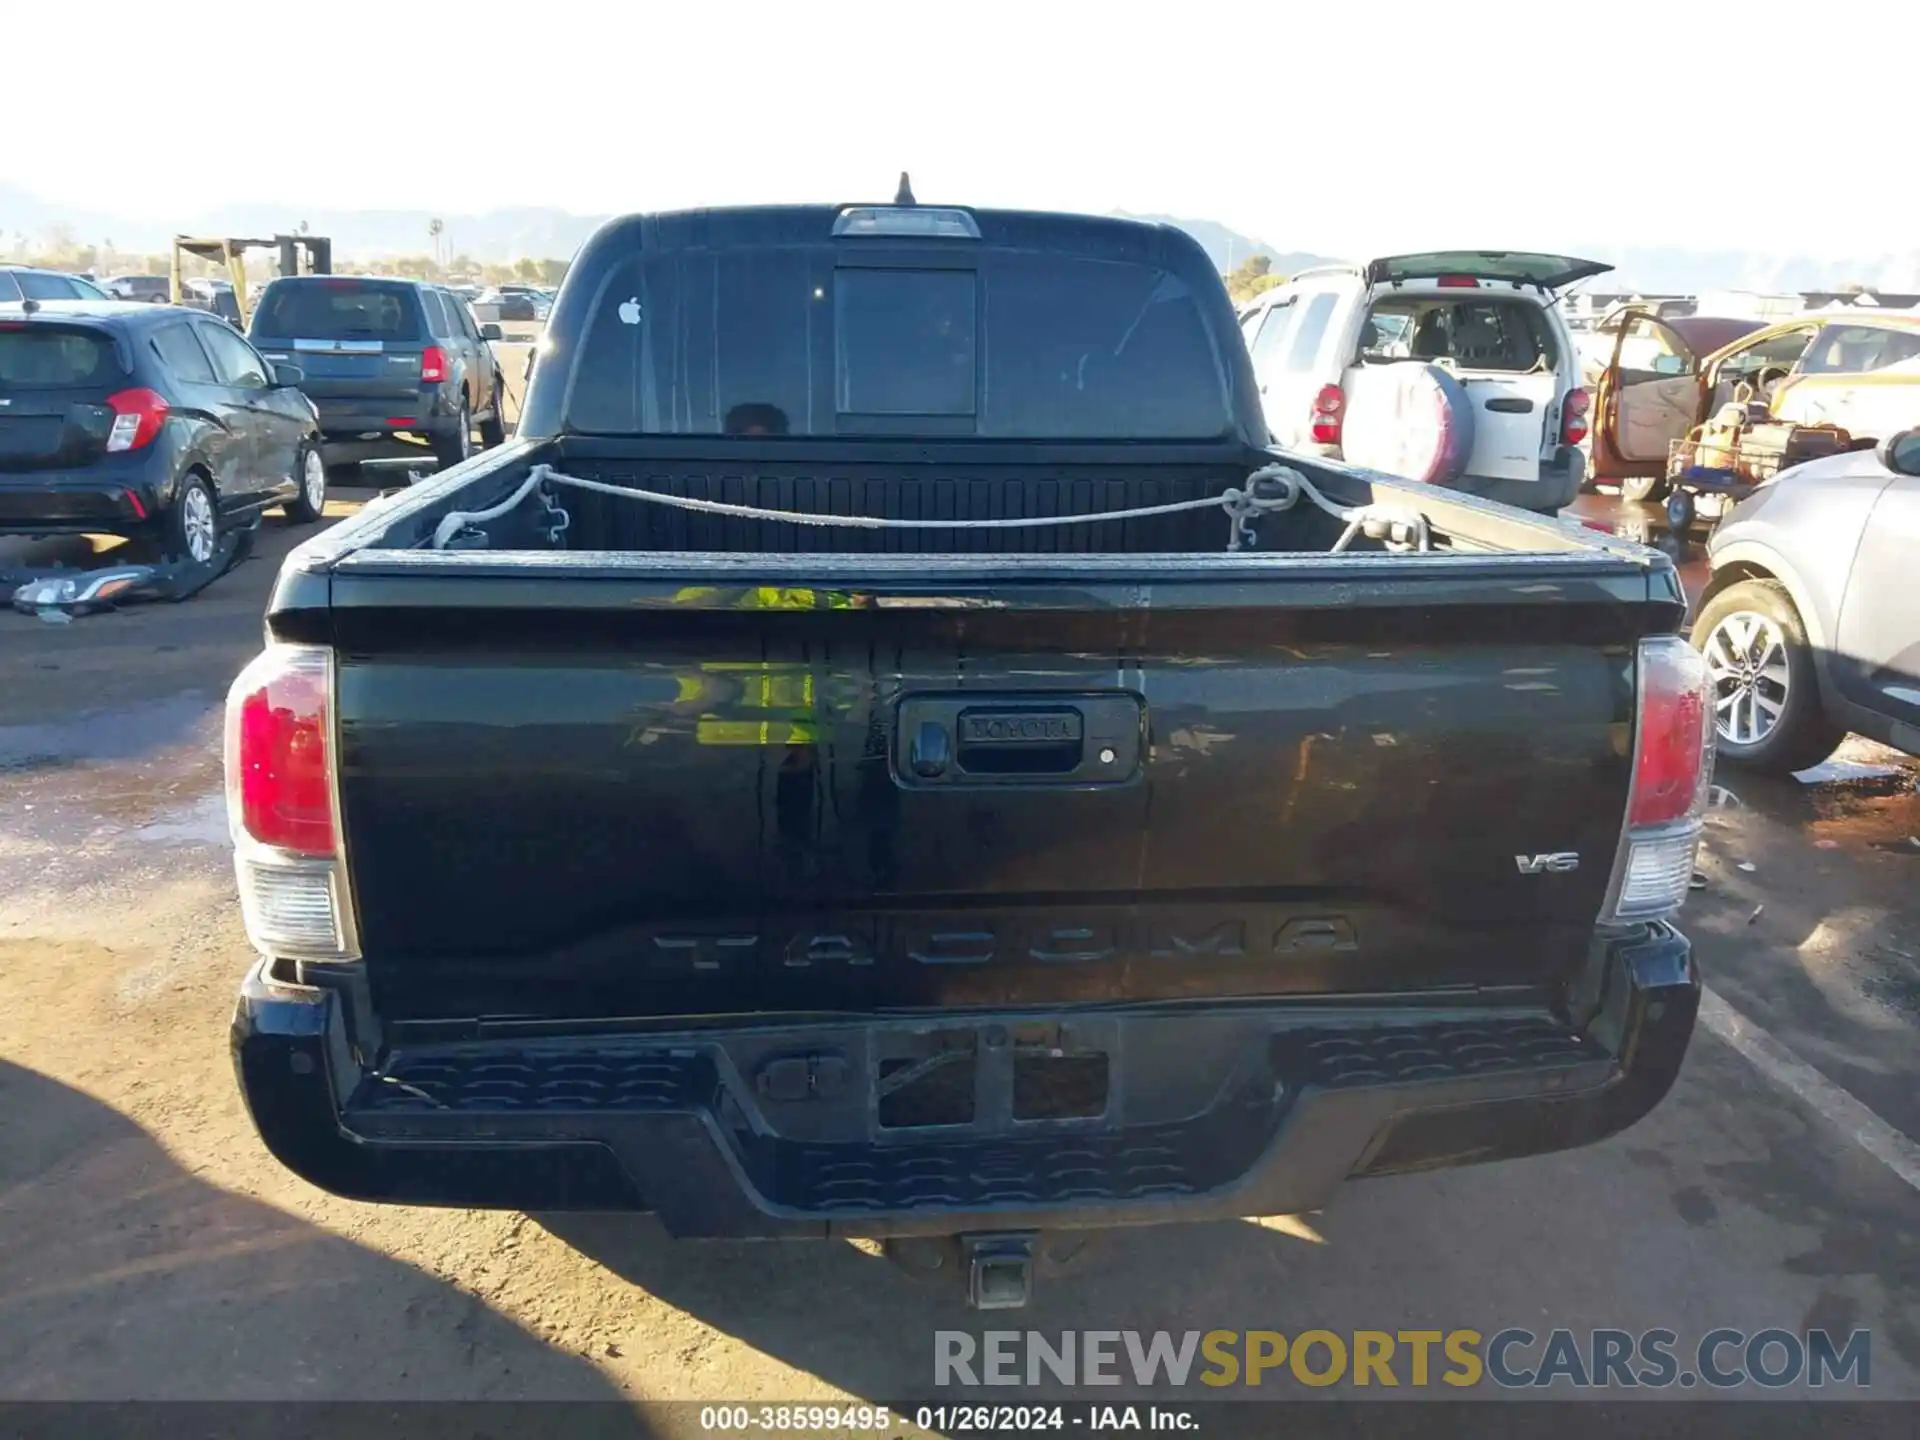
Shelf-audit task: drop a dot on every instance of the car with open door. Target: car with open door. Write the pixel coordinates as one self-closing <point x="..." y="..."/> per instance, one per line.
<point x="1451" y="367"/>
<point x="1809" y="625"/>
<point x="1664" y="377"/>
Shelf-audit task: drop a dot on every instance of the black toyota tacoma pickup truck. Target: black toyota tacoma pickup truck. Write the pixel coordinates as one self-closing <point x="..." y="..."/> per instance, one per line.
<point x="776" y="793"/>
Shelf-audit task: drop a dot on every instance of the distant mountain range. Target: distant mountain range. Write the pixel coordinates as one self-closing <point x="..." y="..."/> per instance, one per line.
<point x="1229" y="248"/>
<point x="543" y="232"/>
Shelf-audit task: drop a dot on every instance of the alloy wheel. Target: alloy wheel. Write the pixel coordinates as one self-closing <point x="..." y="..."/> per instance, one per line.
<point x="196" y="523"/>
<point x="314" y="480"/>
<point x="1747" y="656"/>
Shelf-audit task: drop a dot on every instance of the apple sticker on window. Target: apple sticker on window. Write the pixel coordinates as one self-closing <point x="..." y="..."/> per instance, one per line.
<point x="630" y="310"/>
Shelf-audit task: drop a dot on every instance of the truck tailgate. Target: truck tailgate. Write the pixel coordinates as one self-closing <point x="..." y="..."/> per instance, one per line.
<point x="580" y="789"/>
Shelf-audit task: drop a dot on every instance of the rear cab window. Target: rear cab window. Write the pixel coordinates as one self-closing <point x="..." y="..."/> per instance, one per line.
<point x="817" y="340"/>
<point x="332" y="308"/>
<point x="37" y="356"/>
<point x="906" y="342"/>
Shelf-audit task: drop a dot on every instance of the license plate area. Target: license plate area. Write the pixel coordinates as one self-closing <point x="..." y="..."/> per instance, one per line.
<point x="992" y="1078"/>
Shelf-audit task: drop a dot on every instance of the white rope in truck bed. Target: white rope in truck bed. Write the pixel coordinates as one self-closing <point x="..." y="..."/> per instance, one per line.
<point x="1269" y="490"/>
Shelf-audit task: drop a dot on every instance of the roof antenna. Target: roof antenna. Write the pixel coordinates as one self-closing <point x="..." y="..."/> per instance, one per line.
<point x="905" y="196"/>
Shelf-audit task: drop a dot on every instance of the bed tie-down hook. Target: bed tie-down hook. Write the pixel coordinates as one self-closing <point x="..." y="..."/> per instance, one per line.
<point x="1268" y="491"/>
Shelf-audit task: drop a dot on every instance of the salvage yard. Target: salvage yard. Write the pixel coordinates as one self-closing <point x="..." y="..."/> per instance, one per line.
<point x="156" y="1250"/>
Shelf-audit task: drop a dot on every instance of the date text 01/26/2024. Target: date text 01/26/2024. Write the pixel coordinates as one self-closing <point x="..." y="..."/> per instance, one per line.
<point x="945" y="1419"/>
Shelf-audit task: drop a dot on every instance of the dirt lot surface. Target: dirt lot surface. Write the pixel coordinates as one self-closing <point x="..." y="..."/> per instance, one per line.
<point x="154" y="1249"/>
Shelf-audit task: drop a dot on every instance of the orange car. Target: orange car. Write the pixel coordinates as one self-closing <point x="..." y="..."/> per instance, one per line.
<point x="1860" y="371"/>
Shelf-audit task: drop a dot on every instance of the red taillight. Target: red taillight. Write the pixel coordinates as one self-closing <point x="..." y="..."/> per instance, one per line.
<point x="1675" y="732"/>
<point x="1328" y="406"/>
<point x="1573" y="417"/>
<point x="137" y="418"/>
<point x="279" y="779"/>
<point x="1457" y="282"/>
<point x="433" y="364"/>
<point x="1672" y="763"/>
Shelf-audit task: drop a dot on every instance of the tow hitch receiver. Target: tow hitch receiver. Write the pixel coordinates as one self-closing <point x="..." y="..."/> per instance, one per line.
<point x="999" y="1270"/>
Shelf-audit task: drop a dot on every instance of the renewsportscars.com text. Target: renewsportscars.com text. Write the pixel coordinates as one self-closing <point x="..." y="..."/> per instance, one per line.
<point x="1512" y="1359"/>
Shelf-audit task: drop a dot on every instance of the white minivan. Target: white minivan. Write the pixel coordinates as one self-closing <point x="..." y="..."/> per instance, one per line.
<point x="1453" y="367"/>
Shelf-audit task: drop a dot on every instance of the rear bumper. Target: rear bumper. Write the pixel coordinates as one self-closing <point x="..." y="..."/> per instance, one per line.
<point x="110" y="499"/>
<point x="354" y="429"/>
<point x="1558" y="484"/>
<point x="1212" y="1114"/>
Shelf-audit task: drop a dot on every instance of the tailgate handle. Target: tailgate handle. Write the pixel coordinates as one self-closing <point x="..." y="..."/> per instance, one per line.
<point x="1511" y="405"/>
<point x="978" y="739"/>
<point x="1022" y="742"/>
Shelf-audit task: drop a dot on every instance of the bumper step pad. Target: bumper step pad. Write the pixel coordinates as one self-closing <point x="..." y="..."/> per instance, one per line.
<point x="601" y="1093"/>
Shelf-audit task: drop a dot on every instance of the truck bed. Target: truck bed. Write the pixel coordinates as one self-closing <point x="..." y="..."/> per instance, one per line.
<point x="889" y="480"/>
<point x="912" y="482"/>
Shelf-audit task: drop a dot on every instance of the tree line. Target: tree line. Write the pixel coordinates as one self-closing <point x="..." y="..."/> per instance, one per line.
<point x="60" y="250"/>
<point x="1252" y="277"/>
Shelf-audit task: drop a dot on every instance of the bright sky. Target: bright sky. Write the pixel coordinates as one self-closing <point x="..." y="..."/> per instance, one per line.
<point x="1339" y="127"/>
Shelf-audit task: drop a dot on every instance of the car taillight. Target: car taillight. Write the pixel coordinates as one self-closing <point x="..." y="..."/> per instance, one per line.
<point x="1457" y="282"/>
<point x="1672" y="767"/>
<point x="1328" y="406"/>
<point x="137" y="418"/>
<point x="282" y="808"/>
<point x="1573" y="417"/>
<point x="433" y="364"/>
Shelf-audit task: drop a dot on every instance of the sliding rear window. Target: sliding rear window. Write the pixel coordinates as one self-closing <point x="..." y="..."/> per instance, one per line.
<point x="1018" y="345"/>
<point x="338" y="309"/>
<point x="47" y="357"/>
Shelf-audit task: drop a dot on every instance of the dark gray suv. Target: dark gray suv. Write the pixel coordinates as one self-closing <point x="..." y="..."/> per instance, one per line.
<point x="396" y="368"/>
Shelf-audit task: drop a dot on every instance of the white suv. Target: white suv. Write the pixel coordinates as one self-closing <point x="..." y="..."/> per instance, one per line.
<point x="1453" y="367"/>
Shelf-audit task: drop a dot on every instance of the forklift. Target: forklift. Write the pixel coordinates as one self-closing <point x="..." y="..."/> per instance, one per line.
<point x="299" y="255"/>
